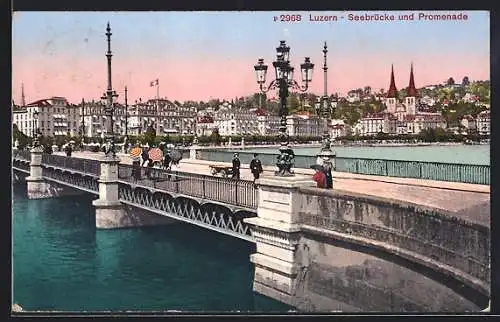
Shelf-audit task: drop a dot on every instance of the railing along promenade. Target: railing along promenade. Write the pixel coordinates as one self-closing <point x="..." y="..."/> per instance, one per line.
<point x="454" y="172"/>
<point x="230" y="191"/>
<point x="240" y="193"/>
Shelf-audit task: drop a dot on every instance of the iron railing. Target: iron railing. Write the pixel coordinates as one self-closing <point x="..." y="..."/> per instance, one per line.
<point x="467" y="173"/>
<point x="20" y="164"/>
<point x="21" y="155"/>
<point x="455" y="172"/>
<point x="230" y="224"/>
<point x="224" y="190"/>
<point x="87" y="166"/>
<point x="86" y="183"/>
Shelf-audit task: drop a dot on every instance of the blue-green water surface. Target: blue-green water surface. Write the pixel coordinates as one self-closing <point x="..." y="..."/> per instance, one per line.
<point x="61" y="262"/>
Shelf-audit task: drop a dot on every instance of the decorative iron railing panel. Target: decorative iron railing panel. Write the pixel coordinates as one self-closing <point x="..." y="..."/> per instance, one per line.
<point x="83" y="182"/>
<point x="163" y="204"/>
<point x="224" y="190"/>
<point x="21" y="155"/>
<point x="467" y="173"/>
<point x="21" y="165"/>
<point x="87" y="166"/>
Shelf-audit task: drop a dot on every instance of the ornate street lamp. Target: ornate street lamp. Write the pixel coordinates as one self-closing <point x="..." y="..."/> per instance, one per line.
<point x="109" y="95"/>
<point x="36" y="142"/>
<point x="126" y="114"/>
<point x="324" y="109"/>
<point x="283" y="81"/>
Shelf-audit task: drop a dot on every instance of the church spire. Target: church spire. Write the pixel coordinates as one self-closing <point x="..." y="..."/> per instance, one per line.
<point x="392" y="92"/>
<point x="23" y="99"/>
<point x="412" y="91"/>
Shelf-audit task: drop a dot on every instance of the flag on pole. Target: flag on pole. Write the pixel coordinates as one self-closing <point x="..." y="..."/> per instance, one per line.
<point x="155" y="82"/>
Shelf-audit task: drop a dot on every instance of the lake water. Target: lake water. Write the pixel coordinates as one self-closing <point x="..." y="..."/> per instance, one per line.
<point x="62" y="262"/>
<point x="468" y="154"/>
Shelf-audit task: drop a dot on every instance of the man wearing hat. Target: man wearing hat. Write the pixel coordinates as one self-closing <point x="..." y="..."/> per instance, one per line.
<point x="236" y="166"/>
<point x="256" y="167"/>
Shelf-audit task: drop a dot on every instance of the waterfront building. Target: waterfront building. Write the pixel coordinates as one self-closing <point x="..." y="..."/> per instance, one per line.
<point x="55" y="117"/>
<point x="305" y="124"/>
<point x="268" y="123"/>
<point x="163" y="115"/>
<point x="92" y="118"/>
<point x="376" y="123"/>
<point x="205" y="125"/>
<point x="338" y="128"/>
<point x="468" y="122"/>
<point x="236" y="121"/>
<point x="483" y="123"/>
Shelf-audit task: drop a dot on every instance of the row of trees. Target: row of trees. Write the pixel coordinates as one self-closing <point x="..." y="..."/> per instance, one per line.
<point x="426" y="135"/>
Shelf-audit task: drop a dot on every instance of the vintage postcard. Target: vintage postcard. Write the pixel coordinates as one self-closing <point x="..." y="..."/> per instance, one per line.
<point x="251" y="162"/>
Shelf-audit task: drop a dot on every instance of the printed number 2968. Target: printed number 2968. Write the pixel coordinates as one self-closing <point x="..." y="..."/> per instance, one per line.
<point x="287" y="18"/>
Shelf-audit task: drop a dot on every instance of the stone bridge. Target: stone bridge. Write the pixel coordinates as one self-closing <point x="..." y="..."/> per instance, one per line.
<point x="419" y="250"/>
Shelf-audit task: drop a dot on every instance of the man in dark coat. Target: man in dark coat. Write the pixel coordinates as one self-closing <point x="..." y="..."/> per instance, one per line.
<point x="328" y="174"/>
<point x="256" y="167"/>
<point x="166" y="161"/>
<point x="236" y="166"/>
<point x="136" y="170"/>
<point x="68" y="150"/>
<point x="145" y="156"/>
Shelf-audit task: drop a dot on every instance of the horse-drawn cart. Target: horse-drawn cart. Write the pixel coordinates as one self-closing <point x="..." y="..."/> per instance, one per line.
<point x="224" y="170"/>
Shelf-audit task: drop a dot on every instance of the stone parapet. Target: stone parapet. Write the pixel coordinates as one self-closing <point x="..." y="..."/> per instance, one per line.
<point x="276" y="233"/>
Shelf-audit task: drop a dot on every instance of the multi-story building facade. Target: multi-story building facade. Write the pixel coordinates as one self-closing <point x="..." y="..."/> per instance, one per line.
<point x="305" y="124"/>
<point x="55" y="116"/>
<point x="165" y="116"/>
<point x="205" y="125"/>
<point x="483" y="123"/>
<point x="268" y="123"/>
<point x="469" y="123"/>
<point x="338" y="128"/>
<point x="236" y="121"/>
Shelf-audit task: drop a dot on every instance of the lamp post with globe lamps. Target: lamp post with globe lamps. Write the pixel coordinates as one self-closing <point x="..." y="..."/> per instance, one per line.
<point x="283" y="81"/>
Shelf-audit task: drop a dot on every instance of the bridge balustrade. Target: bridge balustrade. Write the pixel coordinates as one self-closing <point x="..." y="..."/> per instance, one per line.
<point x="446" y="239"/>
<point x="467" y="173"/>
<point x="21" y="165"/>
<point x="224" y="190"/>
<point x="87" y="166"/>
<point x="21" y="155"/>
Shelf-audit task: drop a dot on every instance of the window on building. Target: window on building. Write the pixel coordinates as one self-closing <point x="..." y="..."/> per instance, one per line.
<point x="43" y="123"/>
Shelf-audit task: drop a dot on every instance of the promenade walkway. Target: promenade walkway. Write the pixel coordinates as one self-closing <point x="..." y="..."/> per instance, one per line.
<point x="467" y="201"/>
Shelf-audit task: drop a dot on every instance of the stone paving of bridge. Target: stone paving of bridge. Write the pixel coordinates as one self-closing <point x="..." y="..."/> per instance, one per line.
<point x="467" y="201"/>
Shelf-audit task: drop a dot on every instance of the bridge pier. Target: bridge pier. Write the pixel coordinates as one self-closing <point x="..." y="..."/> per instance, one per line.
<point x="276" y="231"/>
<point x="39" y="188"/>
<point x="110" y="212"/>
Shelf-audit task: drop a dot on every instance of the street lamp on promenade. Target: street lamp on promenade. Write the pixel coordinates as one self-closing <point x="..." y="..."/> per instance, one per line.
<point x="83" y="121"/>
<point x="324" y="109"/>
<point x="109" y="95"/>
<point x="283" y="81"/>
<point x="126" y="114"/>
<point x="36" y="142"/>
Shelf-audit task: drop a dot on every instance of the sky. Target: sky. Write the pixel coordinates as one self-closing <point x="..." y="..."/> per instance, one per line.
<point x="205" y="55"/>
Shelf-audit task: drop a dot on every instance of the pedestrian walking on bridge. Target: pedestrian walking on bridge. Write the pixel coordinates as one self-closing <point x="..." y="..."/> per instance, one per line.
<point x="256" y="167"/>
<point x="236" y="166"/>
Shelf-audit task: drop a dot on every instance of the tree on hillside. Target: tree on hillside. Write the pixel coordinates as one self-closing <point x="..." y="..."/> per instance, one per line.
<point x="450" y="81"/>
<point x="465" y="81"/>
